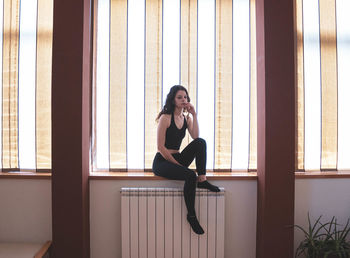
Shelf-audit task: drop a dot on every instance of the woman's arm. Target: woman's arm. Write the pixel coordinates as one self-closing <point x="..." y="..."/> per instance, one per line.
<point x="164" y="123"/>
<point x="192" y="123"/>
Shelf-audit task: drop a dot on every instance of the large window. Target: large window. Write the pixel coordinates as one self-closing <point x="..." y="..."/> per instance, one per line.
<point x="143" y="47"/>
<point x="323" y="84"/>
<point x="25" y="76"/>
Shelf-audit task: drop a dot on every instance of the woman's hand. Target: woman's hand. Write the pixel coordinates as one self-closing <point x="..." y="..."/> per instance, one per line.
<point x="190" y="109"/>
<point x="192" y="123"/>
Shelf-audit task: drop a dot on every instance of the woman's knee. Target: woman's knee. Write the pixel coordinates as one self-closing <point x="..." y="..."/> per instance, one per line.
<point x="200" y="142"/>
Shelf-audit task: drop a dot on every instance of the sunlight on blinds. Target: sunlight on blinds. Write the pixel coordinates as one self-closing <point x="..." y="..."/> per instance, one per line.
<point x="206" y="75"/>
<point x="312" y="85"/>
<point x="157" y="44"/>
<point x="1" y="42"/>
<point x="153" y="76"/>
<point x="240" y="102"/>
<point x="343" y="51"/>
<point x="102" y="90"/>
<point x="117" y="87"/>
<point x="26" y="51"/>
<point x="43" y="84"/>
<point x="300" y="117"/>
<point x="253" y="90"/>
<point x="26" y="83"/>
<point x="323" y="54"/>
<point x="329" y="137"/>
<point x="171" y="45"/>
<point x="135" y="84"/>
<point x="223" y="85"/>
<point x="10" y="84"/>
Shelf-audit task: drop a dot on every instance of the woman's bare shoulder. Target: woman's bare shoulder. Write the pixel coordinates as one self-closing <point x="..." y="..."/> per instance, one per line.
<point x="165" y="119"/>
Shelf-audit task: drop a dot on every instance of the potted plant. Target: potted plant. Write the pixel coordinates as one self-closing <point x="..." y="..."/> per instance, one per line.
<point x="324" y="240"/>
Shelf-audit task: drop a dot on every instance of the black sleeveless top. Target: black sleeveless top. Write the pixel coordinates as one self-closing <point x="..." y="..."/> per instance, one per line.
<point x="174" y="135"/>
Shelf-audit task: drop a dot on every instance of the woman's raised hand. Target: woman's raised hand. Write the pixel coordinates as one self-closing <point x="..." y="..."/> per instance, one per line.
<point x="190" y="108"/>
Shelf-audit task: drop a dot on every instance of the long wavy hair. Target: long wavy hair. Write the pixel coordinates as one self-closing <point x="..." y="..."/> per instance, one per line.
<point x="170" y="103"/>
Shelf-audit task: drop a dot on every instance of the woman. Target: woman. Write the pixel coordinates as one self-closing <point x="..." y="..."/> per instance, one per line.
<point x="172" y="164"/>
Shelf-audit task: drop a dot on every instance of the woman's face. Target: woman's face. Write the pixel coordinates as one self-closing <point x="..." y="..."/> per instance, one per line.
<point x="181" y="99"/>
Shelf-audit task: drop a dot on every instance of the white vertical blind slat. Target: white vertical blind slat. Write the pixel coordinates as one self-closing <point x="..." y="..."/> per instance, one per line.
<point x="171" y="45"/>
<point x="312" y="85"/>
<point x="1" y="42"/>
<point x="27" y="81"/>
<point x="102" y="89"/>
<point x="135" y="84"/>
<point x="343" y="50"/>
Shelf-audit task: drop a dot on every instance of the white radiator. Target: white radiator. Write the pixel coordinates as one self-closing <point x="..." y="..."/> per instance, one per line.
<point x="154" y="224"/>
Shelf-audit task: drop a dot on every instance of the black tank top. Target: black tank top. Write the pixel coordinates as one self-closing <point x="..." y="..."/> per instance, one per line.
<point x="174" y="135"/>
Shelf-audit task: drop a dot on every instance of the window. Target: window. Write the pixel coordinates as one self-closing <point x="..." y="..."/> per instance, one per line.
<point x="143" y="47"/>
<point x="26" y="46"/>
<point x="323" y="58"/>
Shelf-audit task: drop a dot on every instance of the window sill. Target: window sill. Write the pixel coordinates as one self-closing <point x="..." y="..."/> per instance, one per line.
<point x="129" y="175"/>
<point x="322" y="174"/>
<point x="151" y="176"/>
<point x="25" y="175"/>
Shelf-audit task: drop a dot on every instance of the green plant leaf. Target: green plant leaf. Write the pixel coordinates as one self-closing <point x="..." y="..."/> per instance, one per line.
<point x="345" y="231"/>
<point x="324" y="239"/>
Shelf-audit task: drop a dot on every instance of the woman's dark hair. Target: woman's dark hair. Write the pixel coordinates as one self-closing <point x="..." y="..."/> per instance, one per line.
<point x="169" y="103"/>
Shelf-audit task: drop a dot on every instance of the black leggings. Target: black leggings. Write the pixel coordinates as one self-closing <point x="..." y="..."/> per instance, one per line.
<point x="196" y="149"/>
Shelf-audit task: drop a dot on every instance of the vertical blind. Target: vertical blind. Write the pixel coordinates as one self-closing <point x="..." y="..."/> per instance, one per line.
<point x="143" y="47"/>
<point x="26" y="50"/>
<point x="323" y="79"/>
